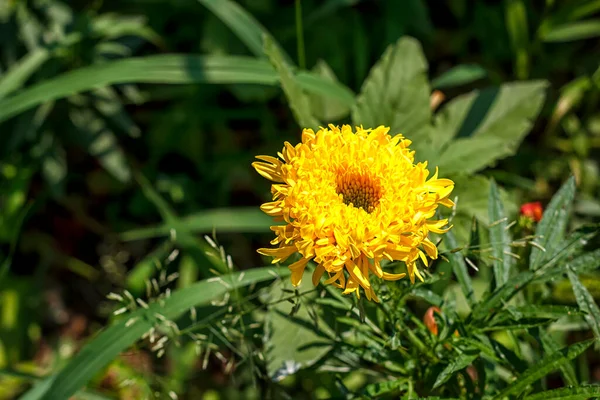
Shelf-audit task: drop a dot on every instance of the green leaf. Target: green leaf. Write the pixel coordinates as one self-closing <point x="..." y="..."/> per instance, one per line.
<point x="16" y="76"/>
<point x="499" y="236"/>
<point x="573" y="31"/>
<point x="501" y="295"/>
<point x="242" y="219"/>
<point x="101" y="142"/>
<point x="525" y="323"/>
<point x="298" y="100"/>
<point x="327" y="108"/>
<point x="469" y="155"/>
<point x="107" y="345"/>
<point x="537" y="311"/>
<point x="299" y="340"/>
<point x="380" y="388"/>
<point x="172" y="69"/>
<point x="550" y="346"/>
<point x="145" y="269"/>
<point x="515" y="15"/>
<point x="505" y="113"/>
<point x="586" y="302"/>
<point x="460" y="268"/>
<point x="567" y="393"/>
<point x="459" y="75"/>
<point x="396" y="92"/>
<point x="544" y="367"/>
<point x="459" y="363"/>
<point x="551" y="229"/>
<point x="244" y="25"/>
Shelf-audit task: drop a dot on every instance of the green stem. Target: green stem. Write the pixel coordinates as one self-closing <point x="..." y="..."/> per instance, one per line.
<point x="300" y="36"/>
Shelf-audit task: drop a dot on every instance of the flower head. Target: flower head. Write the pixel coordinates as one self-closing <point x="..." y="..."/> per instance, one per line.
<point x="350" y="200"/>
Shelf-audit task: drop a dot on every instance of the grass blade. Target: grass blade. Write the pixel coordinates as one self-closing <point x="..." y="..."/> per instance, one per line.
<point x="499" y="236"/>
<point x="242" y="219"/>
<point x="544" y="367"/>
<point x="298" y="100"/>
<point x="110" y="342"/>
<point x="460" y="268"/>
<point x="244" y="25"/>
<point x="551" y="229"/>
<point x="170" y="69"/>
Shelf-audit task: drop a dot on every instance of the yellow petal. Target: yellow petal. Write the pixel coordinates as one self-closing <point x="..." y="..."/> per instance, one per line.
<point x="317" y="274"/>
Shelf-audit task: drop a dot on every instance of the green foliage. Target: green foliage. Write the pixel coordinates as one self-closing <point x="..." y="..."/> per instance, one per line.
<point x="127" y="131"/>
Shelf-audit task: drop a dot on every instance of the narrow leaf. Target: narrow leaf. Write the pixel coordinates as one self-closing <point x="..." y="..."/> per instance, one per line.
<point x="567" y="393"/>
<point x="501" y="295"/>
<point x="460" y="268"/>
<point x="16" y="76"/>
<point x="499" y="236"/>
<point x="573" y="31"/>
<point x="380" y="388"/>
<point x="544" y="367"/>
<point x="550" y="346"/>
<point x="98" y="353"/>
<point x="551" y="229"/>
<point x="172" y="69"/>
<point x="460" y="362"/>
<point x="242" y="219"/>
<point x="586" y="302"/>
<point x="244" y="25"/>
<point x="298" y="100"/>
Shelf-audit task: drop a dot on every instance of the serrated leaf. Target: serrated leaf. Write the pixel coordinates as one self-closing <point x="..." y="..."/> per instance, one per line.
<point x="567" y="393"/>
<point x="469" y="155"/>
<point x="460" y="268"/>
<point x="499" y="236"/>
<point x="298" y="100"/>
<point x="298" y="341"/>
<point x="459" y="75"/>
<point x="586" y="302"/>
<point x="107" y="345"/>
<point x="551" y="229"/>
<point x="544" y="367"/>
<point x="505" y="113"/>
<point x="462" y="361"/>
<point x="501" y="295"/>
<point x="396" y="92"/>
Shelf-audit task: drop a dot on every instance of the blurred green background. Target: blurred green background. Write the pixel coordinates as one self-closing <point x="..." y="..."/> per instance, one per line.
<point x="103" y="152"/>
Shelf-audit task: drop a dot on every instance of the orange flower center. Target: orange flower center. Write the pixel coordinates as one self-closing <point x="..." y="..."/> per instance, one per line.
<point x="359" y="190"/>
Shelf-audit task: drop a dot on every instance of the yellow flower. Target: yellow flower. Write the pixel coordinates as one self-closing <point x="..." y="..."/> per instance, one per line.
<point x="350" y="200"/>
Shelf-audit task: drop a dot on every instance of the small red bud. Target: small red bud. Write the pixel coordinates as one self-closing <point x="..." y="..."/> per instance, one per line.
<point x="532" y="210"/>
